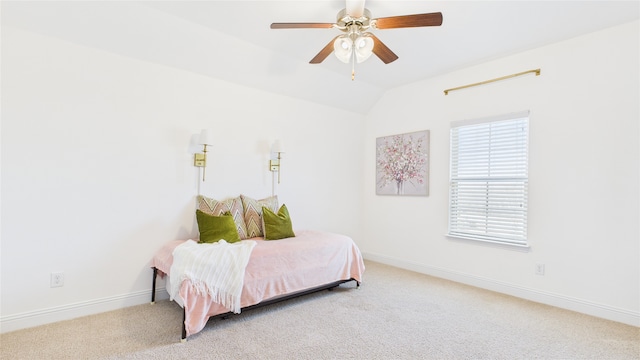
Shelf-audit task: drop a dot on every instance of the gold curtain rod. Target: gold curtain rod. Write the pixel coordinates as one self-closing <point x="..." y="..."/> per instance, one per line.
<point x="537" y="71"/>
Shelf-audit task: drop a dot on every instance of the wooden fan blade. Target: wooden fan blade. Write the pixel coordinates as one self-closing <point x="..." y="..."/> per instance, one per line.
<point x="301" y="26"/>
<point x="382" y="51"/>
<point x="405" y="21"/>
<point x="323" y="53"/>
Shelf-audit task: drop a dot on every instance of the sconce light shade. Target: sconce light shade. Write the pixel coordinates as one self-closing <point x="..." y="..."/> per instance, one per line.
<point x="205" y="138"/>
<point x="277" y="147"/>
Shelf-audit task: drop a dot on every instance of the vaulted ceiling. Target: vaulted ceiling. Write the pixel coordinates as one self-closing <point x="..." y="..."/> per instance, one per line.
<point x="231" y="40"/>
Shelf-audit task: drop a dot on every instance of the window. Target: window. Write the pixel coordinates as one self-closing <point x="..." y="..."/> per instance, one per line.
<point x="489" y="179"/>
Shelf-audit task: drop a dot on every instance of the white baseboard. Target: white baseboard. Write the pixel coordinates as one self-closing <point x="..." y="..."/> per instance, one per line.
<point x="71" y="311"/>
<point x="561" y="301"/>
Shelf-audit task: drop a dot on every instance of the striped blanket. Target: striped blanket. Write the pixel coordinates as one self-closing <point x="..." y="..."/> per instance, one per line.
<point x="216" y="269"/>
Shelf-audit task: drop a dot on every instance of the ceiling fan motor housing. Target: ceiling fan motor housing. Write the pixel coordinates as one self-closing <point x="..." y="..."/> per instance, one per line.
<point x="345" y="21"/>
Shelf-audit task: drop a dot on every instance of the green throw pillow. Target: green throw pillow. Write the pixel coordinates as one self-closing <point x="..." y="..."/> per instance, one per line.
<point x="277" y="226"/>
<point x="214" y="228"/>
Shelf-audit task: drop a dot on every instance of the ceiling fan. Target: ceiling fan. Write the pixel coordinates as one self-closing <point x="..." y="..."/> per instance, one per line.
<point x="358" y="43"/>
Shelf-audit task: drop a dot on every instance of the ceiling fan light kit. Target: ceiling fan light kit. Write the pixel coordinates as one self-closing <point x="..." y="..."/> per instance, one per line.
<point x="358" y="43"/>
<point x="346" y="47"/>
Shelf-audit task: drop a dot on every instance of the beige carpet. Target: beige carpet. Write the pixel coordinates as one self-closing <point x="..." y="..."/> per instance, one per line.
<point x="395" y="314"/>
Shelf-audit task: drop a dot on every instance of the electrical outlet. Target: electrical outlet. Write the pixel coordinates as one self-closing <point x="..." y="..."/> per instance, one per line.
<point x="539" y="269"/>
<point x="57" y="279"/>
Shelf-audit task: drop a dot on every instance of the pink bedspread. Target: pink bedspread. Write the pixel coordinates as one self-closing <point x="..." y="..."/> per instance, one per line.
<point x="276" y="267"/>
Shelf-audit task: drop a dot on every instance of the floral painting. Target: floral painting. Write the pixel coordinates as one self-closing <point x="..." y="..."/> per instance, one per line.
<point x="402" y="164"/>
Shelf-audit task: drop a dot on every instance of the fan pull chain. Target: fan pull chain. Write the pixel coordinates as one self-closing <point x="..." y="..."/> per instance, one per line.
<point x="353" y="65"/>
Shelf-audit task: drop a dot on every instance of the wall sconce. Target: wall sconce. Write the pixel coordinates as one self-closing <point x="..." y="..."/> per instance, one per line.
<point x="274" y="164"/>
<point x="200" y="159"/>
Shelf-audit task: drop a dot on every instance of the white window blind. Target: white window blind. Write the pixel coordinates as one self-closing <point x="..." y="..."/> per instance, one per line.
<point x="489" y="179"/>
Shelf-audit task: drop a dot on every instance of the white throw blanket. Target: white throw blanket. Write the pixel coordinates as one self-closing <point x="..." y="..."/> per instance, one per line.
<point x="216" y="269"/>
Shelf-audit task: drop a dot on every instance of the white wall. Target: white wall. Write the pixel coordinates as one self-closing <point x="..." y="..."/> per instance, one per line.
<point x="97" y="172"/>
<point x="584" y="163"/>
<point x="97" y="175"/>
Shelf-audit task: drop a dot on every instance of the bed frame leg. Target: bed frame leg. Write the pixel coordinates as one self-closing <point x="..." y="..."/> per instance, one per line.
<point x="184" y="326"/>
<point x="184" y="311"/>
<point x="153" y="285"/>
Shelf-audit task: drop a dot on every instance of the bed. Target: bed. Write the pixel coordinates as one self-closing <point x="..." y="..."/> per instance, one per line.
<point x="276" y="270"/>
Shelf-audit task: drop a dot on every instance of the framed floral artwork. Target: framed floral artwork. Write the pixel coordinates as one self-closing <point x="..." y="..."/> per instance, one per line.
<point x="402" y="164"/>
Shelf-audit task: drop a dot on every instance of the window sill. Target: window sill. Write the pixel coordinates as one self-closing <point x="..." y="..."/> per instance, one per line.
<point x="490" y="243"/>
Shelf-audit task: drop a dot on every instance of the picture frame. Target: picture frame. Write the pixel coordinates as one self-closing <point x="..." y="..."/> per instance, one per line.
<point x="402" y="164"/>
